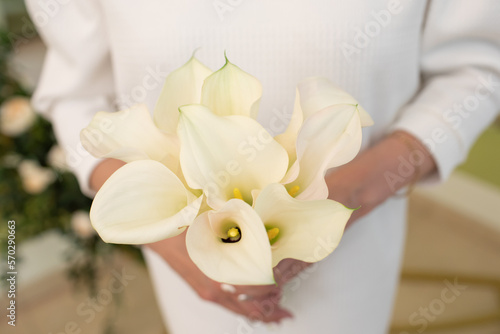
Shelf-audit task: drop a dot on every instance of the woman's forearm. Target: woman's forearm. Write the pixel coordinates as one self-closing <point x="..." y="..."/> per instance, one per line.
<point x="376" y="174"/>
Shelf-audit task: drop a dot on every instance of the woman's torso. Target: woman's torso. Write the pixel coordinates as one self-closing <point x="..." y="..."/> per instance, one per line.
<point x="370" y="50"/>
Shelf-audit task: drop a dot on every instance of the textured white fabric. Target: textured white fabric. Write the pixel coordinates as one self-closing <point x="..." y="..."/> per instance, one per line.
<point x="429" y="67"/>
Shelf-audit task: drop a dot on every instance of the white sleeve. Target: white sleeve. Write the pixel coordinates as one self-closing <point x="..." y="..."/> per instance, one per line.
<point x="460" y="93"/>
<point x="77" y="79"/>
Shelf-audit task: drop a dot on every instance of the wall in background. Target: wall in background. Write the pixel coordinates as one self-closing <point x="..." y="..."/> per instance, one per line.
<point x="484" y="159"/>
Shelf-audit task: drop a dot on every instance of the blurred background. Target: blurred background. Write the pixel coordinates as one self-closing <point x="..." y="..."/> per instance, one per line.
<point x="68" y="280"/>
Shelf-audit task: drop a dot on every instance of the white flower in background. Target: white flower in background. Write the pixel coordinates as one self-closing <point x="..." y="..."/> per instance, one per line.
<point x="264" y="198"/>
<point x="56" y="158"/>
<point x="80" y="224"/>
<point x="16" y="116"/>
<point x="34" y="177"/>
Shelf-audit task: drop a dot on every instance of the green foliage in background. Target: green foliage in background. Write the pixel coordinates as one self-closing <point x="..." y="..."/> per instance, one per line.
<point x="52" y="206"/>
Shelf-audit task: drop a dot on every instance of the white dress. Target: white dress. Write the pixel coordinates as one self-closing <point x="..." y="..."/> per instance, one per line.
<point x="431" y="68"/>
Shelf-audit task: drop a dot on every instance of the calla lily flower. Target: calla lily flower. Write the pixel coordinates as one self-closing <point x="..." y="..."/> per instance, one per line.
<point x="227" y="156"/>
<point x="312" y="95"/>
<point x="317" y="93"/>
<point x="130" y="135"/>
<point x="142" y="202"/>
<point x="329" y="138"/>
<point x="228" y="91"/>
<point x="231" y="91"/>
<point x="302" y="230"/>
<point x="231" y="245"/>
<point x="324" y="132"/>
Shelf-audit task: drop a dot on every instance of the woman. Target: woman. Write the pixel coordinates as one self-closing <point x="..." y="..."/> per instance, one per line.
<point x="427" y="72"/>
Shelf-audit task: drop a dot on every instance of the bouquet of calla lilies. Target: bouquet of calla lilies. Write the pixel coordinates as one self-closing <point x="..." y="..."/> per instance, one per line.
<point x="203" y="163"/>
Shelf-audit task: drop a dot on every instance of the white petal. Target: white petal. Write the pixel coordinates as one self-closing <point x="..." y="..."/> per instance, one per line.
<point x="231" y="91"/>
<point x="181" y="87"/>
<point x="317" y="93"/>
<point x="288" y="138"/>
<point x="219" y="154"/>
<point x="142" y="202"/>
<point x="247" y="261"/>
<point x="329" y="138"/>
<point x="129" y="135"/>
<point x="308" y="230"/>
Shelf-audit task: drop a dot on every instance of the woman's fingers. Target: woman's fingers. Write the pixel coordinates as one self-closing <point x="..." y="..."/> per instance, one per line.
<point x="260" y="308"/>
<point x="258" y="291"/>
<point x="287" y="269"/>
<point x="257" y="303"/>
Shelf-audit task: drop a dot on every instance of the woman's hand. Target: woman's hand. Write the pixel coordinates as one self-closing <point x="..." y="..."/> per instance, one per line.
<point x="103" y="171"/>
<point x="376" y="174"/>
